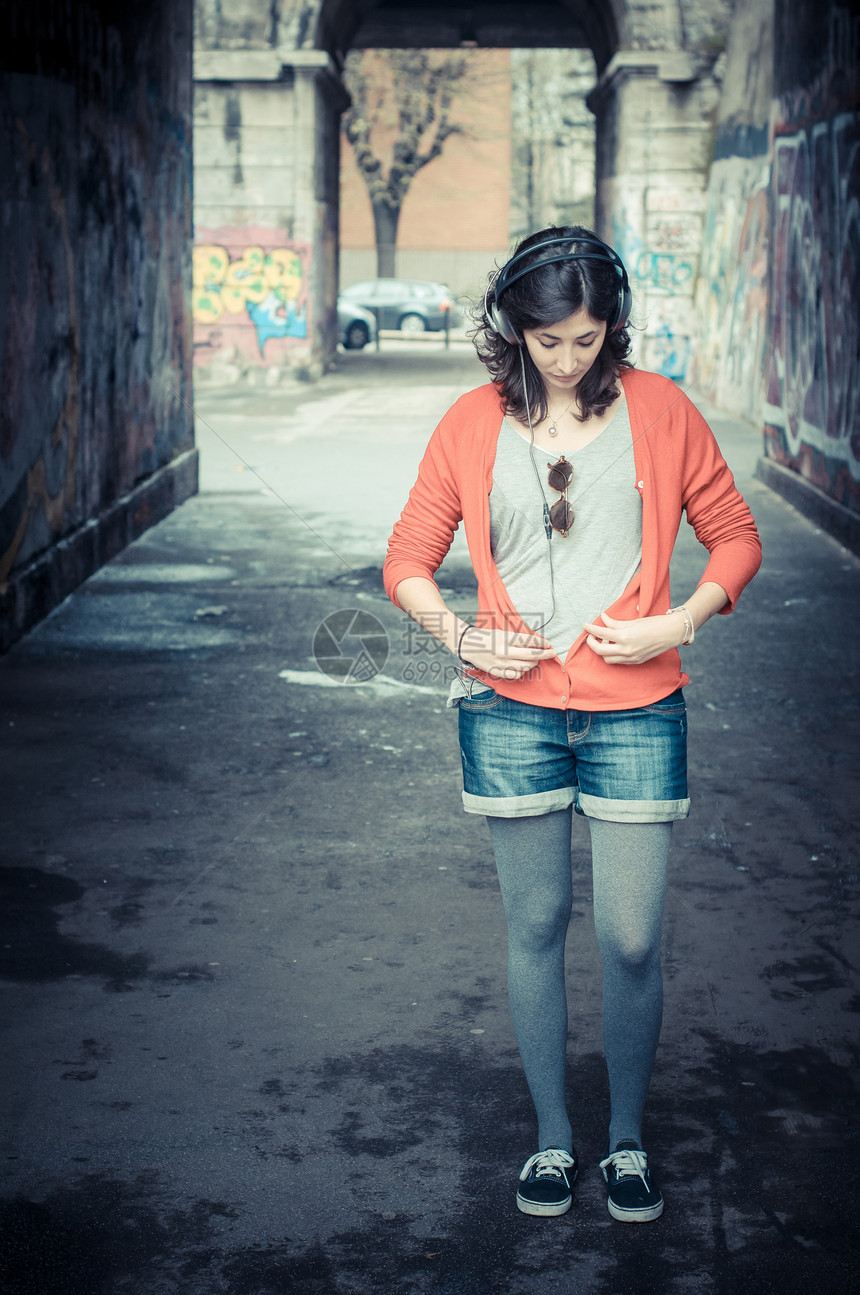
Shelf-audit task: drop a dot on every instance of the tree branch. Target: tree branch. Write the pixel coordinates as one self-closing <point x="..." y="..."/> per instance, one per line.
<point x="421" y="88"/>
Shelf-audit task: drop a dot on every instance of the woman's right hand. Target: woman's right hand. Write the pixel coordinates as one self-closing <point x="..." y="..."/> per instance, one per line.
<point x="504" y="654"/>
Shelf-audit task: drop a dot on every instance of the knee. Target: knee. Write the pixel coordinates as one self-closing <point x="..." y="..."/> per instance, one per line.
<point x="636" y="957"/>
<point x="539" y="928"/>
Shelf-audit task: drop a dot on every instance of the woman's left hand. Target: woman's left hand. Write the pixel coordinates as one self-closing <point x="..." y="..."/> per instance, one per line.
<point x="632" y="642"/>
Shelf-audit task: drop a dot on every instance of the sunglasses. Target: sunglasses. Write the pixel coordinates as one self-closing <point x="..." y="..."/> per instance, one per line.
<point x="561" y="514"/>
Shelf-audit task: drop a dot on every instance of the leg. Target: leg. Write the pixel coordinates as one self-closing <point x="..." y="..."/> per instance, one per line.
<point x="533" y="861"/>
<point x="629" y="861"/>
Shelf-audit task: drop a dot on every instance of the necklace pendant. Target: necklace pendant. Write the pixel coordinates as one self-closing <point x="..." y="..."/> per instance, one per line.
<point x="552" y="431"/>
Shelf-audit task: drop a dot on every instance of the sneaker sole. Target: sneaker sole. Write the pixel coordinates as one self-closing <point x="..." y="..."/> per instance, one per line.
<point x="635" y="1216"/>
<point x="532" y="1207"/>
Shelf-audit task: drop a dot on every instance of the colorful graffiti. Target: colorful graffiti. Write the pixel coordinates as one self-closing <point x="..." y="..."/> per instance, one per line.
<point x="668" y="345"/>
<point x="812" y="409"/>
<point x="243" y="291"/>
<point x="732" y="289"/>
<point x="658" y="238"/>
<point x="662" y="271"/>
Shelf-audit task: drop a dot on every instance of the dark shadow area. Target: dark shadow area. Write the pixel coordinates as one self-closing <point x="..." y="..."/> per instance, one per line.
<point x="31" y="947"/>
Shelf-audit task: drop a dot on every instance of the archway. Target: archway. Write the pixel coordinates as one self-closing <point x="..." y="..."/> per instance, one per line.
<point x="269" y="99"/>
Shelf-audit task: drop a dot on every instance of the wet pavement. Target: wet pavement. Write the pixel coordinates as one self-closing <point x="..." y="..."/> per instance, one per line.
<point x="256" y="1038"/>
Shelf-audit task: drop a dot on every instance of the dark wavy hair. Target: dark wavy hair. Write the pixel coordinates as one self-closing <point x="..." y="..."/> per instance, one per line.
<point x="544" y="297"/>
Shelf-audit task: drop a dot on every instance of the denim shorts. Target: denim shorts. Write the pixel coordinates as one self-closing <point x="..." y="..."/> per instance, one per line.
<point x="627" y="766"/>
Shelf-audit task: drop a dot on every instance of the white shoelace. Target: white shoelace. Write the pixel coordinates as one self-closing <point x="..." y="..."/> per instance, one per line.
<point x="550" y="1163"/>
<point x="628" y="1164"/>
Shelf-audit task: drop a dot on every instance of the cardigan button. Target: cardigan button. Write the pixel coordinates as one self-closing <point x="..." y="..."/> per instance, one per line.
<point x="640" y="485"/>
<point x="564" y="698"/>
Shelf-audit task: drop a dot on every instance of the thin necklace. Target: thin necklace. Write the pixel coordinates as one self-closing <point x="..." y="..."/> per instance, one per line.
<point x="552" y="430"/>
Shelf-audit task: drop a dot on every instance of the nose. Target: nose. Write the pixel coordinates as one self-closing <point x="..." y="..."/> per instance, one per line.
<point x="566" y="363"/>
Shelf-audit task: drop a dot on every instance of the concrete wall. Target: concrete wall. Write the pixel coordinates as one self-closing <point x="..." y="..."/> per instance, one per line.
<point x="779" y="293"/>
<point x="653" y="150"/>
<point x="552" y="145"/>
<point x="732" y="293"/>
<point x="267" y="153"/>
<point x="812" y="391"/>
<point x="250" y="301"/>
<point x="96" y="439"/>
<point x="654" y="105"/>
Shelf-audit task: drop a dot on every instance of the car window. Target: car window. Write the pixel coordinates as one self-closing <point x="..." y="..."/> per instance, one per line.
<point x="391" y="290"/>
<point x="422" y="290"/>
<point x="360" y="291"/>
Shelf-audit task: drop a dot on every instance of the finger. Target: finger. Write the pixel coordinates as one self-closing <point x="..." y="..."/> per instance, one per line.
<point x="531" y="656"/>
<point x="535" y="644"/>
<point x="602" y="621"/>
<point x="602" y="631"/>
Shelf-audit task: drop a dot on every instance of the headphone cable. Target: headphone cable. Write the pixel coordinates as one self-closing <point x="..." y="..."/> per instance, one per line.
<point x="547" y="525"/>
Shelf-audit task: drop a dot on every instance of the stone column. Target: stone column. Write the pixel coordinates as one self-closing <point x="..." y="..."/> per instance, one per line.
<point x="319" y="99"/>
<point x="266" y="222"/>
<point x="654" y="138"/>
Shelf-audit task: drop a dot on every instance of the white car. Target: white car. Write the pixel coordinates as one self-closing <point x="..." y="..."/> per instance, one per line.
<point x="412" y="305"/>
<point x="355" y="325"/>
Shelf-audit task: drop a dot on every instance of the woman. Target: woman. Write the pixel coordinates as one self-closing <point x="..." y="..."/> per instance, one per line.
<point x="571" y="470"/>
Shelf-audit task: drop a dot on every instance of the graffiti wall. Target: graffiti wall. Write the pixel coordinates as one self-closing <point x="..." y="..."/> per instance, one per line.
<point x="251" y="299"/>
<point x="658" y="232"/>
<point x="96" y="437"/>
<point x="732" y="291"/>
<point x="812" y="397"/>
<point x="778" y="295"/>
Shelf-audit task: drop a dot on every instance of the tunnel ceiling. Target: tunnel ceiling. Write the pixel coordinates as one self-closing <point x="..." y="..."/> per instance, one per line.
<point x="404" y="24"/>
<point x="391" y="23"/>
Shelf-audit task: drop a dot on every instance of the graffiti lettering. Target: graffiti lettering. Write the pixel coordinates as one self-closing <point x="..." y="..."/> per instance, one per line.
<point x="731" y="295"/>
<point x="662" y="271"/>
<point x="813" y="382"/>
<point x="667" y="353"/>
<point x="268" y="288"/>
<point x="662" y="266"/>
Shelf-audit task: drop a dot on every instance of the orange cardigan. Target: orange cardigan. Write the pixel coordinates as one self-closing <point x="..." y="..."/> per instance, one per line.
<point x="678" y="468"/>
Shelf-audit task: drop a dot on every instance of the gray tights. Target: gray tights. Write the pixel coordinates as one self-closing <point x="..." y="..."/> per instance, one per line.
<point x="629" y="867"/>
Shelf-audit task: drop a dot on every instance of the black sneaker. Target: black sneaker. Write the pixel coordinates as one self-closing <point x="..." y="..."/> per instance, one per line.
<point x="633" y="1197"/>
<point x="545" y="1182"/>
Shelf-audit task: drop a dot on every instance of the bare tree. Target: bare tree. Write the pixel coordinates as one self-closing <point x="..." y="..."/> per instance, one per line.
<point x="404" y="96"/>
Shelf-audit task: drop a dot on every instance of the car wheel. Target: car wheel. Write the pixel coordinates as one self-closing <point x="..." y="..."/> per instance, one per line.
<point x="357" y="336"/>
<point x="412" y="324"/>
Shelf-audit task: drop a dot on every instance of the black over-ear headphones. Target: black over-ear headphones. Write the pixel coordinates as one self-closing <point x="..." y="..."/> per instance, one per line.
<point x="509" y="274"/>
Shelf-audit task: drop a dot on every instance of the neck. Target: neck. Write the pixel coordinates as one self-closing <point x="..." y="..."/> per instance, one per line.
<point x="554" y="417"/>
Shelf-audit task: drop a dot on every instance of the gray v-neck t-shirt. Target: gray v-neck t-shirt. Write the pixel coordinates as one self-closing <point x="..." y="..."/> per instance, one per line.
<point x="594" y="563"/>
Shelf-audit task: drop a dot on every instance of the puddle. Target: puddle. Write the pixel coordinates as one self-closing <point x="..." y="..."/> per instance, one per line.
<point x="32" y="948"/>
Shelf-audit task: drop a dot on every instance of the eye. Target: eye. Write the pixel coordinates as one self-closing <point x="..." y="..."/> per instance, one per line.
<point x="590" y="342"/>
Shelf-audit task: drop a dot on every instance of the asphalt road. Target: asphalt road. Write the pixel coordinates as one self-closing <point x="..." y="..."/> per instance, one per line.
<point x="256" y="1038"/>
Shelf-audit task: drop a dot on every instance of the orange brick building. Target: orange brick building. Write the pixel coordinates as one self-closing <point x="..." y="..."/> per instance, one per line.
<point x="455" y="220"/>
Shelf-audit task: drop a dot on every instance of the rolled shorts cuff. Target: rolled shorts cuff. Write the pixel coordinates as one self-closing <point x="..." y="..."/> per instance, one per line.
<point x="528" y="806"/>
<point x="633" y="811"/>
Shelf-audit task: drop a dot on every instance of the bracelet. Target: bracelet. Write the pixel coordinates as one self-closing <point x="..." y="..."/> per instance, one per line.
<point x="460" y="647"/>
<point x="689" y="627"/>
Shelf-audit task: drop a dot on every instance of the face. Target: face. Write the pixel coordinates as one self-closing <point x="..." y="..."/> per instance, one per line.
<point x="564" y="352"/>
